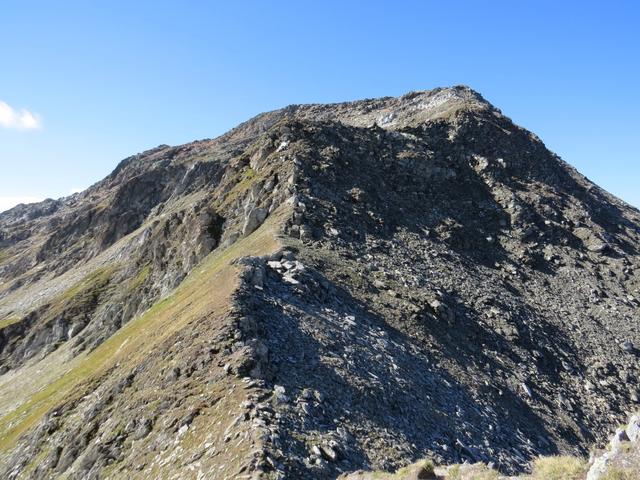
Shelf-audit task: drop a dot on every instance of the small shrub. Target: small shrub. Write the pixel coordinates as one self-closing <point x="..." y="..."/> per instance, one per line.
<point x="426" y="469"/>
<point x="559" y="468"/>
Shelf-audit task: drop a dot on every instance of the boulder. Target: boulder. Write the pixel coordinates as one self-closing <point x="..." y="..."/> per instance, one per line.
<point x="253" y="220"/>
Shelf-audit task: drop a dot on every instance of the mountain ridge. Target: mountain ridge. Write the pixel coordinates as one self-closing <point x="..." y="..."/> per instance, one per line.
<point x="401" y="275"/>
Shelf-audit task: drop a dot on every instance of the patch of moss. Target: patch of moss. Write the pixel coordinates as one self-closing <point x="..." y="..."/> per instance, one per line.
<point x="244" y="179"/>
<point x="109" y="470"/>
<point x="141" y="277"/>
<point x="89" y="286"/>
<point x="33" y="464"/>
<point x="5" y="322"/>
<point x="81" y="297"/>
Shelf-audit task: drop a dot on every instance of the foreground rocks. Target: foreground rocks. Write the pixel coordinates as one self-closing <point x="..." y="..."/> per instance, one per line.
<point x="620" y="461"/>
<point x="621" y="458"/>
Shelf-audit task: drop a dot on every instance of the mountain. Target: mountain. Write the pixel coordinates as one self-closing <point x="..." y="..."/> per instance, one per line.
<point x="322" y="289"/>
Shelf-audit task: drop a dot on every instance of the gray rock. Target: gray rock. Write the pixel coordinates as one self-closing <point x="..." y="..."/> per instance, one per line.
<point x="329" y="453"/>
<point x="627" y="346"/>
<point x="279" y="394"/>
<point x="306" y="233"/>
<point x="633" y="429"/>
<point x="618" y="438"/>
<point x="254" y="219"/>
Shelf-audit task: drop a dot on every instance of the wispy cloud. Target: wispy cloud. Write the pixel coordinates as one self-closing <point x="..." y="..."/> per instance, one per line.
<point x="9" y="202"/>
<point x="18" y="119"/>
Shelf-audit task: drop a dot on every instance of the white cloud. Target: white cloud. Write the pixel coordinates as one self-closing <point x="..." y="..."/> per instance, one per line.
<point x="9" y="202"/>
<point x="19" y="119"/>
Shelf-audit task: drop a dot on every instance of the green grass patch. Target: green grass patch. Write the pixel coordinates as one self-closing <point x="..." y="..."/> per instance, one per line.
<point x="5" y="322"/>
<point x="83" y="296"/>
<point x="244" y="180"/>
<point x="26" y="473"/>
<point x="89" y="286"/>
<point x="141" y="277"/>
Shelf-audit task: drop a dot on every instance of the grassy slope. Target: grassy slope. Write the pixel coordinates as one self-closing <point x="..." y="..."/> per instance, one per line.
<point x="205" y="291"/>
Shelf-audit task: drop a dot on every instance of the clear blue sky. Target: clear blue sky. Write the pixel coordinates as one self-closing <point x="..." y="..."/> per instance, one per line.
<point x="99" y="81"/>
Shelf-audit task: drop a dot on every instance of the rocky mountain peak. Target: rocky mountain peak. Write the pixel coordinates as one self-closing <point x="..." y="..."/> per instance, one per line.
<point x="323" y="288"/>
<point x="411" y="109"/>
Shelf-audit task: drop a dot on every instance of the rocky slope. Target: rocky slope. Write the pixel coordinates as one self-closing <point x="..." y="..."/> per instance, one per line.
<point x="322" y="289"/>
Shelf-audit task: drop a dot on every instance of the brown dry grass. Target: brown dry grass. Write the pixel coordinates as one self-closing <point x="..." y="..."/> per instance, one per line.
<point x="559" y="468"/>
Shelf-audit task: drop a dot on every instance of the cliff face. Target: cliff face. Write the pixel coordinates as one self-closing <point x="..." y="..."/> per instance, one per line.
<point x="324" y="288"/>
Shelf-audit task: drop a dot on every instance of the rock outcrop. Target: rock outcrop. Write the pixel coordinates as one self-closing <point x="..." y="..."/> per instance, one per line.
<point x="621" y="458"/>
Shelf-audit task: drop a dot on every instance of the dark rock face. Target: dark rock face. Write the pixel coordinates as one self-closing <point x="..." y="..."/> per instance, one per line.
<point x="448" y="288"/>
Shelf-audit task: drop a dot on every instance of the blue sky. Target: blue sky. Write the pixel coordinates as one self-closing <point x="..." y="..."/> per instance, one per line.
<point x="85" y="84"/>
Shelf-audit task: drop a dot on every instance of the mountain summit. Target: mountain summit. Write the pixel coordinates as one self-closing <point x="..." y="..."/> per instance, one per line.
<point x="322" y="289"/>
